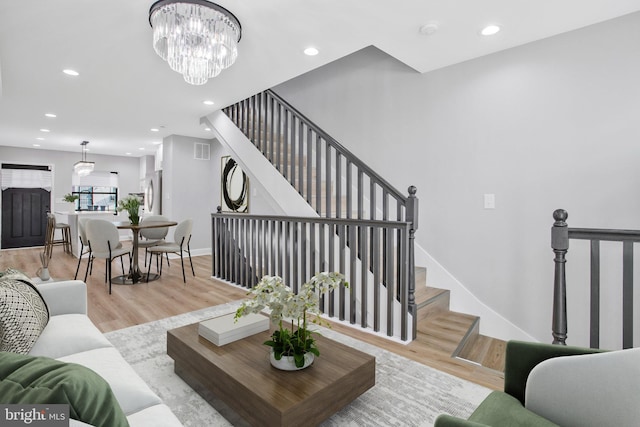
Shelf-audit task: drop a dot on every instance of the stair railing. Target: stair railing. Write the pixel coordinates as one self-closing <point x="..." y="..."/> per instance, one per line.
<point x="310" y="158"/>
<point x="247" y="247"/>
<point x="560" y="236"/>
<point x="335" y="182"/>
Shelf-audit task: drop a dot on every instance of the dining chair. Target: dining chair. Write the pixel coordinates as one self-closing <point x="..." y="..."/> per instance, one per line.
<point x="85" y="248"/>
<point x="180" y="244"/>
<point x="82" y="235"/>
<point x="104" y="242"/>
<point x="152" y="236"/>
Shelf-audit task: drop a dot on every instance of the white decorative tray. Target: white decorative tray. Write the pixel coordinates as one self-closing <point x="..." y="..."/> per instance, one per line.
<point x="224" y="329"/>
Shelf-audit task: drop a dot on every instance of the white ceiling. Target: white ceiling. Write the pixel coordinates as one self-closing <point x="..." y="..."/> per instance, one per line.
<point x="125" y="89"/>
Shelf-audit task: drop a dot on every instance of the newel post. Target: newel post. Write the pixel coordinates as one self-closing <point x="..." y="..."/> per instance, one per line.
<point x="216" y="244"/>
<point x="560" y="246"/>
<point x="412" y="217"/>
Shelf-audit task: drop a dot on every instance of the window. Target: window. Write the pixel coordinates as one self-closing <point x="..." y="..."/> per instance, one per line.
<point x="96" y="198"/>
<point x="97" y="191"/>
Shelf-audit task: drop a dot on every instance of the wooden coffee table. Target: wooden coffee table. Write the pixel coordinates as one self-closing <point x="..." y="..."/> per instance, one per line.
<point x="239" y="374"/>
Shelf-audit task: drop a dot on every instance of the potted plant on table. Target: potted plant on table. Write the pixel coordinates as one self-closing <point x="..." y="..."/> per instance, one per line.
<point x="131" y="204"/>
<point x="291" y="343"/>
<point x="71" y="198"/>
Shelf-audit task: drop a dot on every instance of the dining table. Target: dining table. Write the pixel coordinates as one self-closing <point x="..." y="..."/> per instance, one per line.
<point x="135" y="275"/>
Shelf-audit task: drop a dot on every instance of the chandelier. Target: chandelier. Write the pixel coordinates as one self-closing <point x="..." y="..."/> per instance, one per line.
<point x="83" y="167"/>
<point x="197" y="38"/>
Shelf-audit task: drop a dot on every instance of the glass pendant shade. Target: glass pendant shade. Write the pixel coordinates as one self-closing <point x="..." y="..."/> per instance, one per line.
<point x="197" y="38"/>
<point x="83" y="167"/>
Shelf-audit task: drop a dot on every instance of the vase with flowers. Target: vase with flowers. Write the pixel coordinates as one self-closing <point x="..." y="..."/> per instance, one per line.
<point x="131" y="204"/>
<point x="43" y="272"/>
<point x="292" y="343"/>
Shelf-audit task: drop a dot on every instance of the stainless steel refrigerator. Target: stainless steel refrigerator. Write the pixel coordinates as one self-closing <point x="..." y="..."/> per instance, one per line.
<point x="152" y="188"/>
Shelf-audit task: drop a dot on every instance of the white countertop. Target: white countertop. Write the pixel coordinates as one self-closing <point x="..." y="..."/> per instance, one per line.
<point x="83" y="213"/>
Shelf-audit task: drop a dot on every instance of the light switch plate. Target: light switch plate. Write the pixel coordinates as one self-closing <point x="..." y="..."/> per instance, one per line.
<point x="489" y="201"/>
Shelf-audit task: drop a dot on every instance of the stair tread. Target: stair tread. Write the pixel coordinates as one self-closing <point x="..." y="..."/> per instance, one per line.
<point x="487" y="351"/>
<point x="431" y="301"/>
<point x="446" y="329"/>
<point x="424" y="294"/>
<point x="451" y="332"/>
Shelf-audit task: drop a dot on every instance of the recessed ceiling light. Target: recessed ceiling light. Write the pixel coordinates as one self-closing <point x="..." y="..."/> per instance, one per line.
<point x="141" y="148"/>
<point x="490" y="30"/>
<point x="71" y="72"/>
<point x="45" y="130"/>
<point x="36" y="145"/>
<point x="157" y="142"/>
<point x="311" y="51"/>
<point x="128" y="154"/>
<point x="207" y="129"/>
<point x="154" y="130"/>
<point x="50" y="115"/>
<point x="429" y="29"/>
<point x="40" y="139"/>
<point x="207" y="102"/>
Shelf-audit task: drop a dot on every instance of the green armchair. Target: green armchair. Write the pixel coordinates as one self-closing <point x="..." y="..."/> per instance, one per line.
<point x="507" y="408"/>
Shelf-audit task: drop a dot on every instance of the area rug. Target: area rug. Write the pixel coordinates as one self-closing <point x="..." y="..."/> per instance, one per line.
<point x="406" y="393"/>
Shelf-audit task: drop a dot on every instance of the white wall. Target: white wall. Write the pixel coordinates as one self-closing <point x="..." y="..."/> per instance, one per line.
<point x="552" y="124"/>
<point x="270" y="193"/>
<point x="258" y="203"/>
<point x="62" y="162"/>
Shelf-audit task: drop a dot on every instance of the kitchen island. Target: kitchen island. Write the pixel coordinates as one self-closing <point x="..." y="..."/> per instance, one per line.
<point x="72" y="217"/>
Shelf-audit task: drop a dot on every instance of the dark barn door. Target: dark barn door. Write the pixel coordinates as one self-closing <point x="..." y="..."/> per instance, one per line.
<point x="24" y="216"/>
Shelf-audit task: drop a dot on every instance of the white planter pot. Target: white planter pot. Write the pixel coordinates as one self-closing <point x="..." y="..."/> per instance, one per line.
<point x="286" y="363"/>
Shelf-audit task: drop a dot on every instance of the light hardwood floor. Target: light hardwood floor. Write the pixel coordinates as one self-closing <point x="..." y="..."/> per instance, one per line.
<point x="132" y="305"/>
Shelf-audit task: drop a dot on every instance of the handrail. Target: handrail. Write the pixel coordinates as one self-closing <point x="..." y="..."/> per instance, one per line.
<point x="323" y="171"/>
<point x="369" y="253"/>
<point x="318" y="220"/>
<point x="604" y="234"/>
<point x="341" y="148"/>
<point x="560" y="236"/>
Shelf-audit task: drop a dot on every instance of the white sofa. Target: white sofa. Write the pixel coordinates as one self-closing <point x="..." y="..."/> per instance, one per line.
<point x="71" y="337"/>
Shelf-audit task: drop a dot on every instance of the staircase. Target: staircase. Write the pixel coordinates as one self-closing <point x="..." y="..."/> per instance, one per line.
<point x="345" y="193"/>
<point x="453" y="333"/>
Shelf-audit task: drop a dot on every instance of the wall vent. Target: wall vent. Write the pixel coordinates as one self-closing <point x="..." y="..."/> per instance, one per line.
<point x="201" y="151"/>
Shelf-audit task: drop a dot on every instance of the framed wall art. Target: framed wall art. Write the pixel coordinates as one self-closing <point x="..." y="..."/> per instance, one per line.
<point x="235" y="187"/>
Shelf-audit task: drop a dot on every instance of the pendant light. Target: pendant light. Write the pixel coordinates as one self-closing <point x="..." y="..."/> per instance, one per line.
<point x="83" y="167"/>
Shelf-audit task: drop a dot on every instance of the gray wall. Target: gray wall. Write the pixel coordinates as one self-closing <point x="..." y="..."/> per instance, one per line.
<point x="61" y="163"/>
<point x="191" y="188"/>
<point x="552" y="124"/>
<point x="62" y="167"/>
<point x="188" y="188"/>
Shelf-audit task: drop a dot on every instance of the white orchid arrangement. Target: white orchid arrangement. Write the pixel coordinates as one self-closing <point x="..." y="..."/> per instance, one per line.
<point x="271" y="293"/>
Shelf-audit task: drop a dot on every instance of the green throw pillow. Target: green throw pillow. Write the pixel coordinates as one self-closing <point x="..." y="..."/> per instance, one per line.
<point x="23" y="312"/>
<point x="41" y="380"/>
